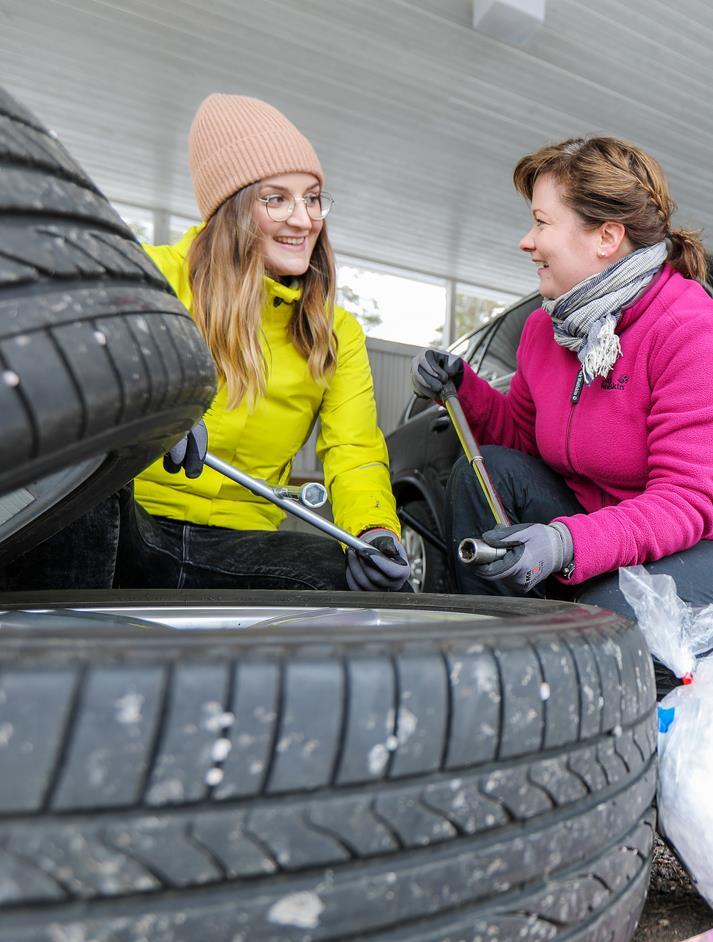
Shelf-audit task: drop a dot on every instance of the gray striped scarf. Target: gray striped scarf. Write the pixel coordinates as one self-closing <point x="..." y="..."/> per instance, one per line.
<point x="585" y="317"/>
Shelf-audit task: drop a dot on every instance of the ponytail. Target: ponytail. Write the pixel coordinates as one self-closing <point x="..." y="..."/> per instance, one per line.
<point x="687" y="254"/>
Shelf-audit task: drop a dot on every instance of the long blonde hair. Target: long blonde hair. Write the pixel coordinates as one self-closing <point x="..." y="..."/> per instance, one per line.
<point x="226" y="271"/>
<point x="605" y="178"/>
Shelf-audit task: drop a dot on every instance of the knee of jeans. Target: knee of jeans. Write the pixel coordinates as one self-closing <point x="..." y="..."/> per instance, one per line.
<point x="459" y="474"/>
<point x="497" y="458"/>
<point x="464" y="488"/>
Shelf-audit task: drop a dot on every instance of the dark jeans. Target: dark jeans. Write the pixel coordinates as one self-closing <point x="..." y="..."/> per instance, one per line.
<point x="81" y="556"/>
<point x="532" y="493"/>
<point x="155" y="552"/>
<point x="118" y="544"/>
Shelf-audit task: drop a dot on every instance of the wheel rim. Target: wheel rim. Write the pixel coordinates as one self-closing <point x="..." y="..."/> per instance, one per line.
<point x="234" y="617"/>
<point x="415" y="548"/>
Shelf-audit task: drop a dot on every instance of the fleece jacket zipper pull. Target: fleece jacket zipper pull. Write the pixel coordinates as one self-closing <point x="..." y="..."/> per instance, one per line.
<point x="578" y="384"/>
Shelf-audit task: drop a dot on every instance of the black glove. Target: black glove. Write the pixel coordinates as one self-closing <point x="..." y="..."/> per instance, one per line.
<point x="534" y="552"/>
<point x="189" y="453"/>
<point x="386" y="570"/>
<point x="432" y="369"/>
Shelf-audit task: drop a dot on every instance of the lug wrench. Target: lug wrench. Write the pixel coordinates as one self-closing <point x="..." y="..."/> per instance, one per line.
<point x="292" y="500"/>
<point x="311" y="494"/>
<point x="472" y="550"/>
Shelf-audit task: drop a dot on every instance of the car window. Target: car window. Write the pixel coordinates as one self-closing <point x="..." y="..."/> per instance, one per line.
<point x="461" y="346"/>
<point x="416" y="406"/>
<point x="491" y="349"/>
<point x="494" y="355"/>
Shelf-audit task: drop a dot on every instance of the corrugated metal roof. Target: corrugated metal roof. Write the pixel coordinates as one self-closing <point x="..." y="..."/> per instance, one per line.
<point x="418" y="118"/>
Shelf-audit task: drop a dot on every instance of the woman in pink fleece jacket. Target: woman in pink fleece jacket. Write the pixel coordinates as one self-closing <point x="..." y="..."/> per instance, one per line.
<point x="602" y="450"/>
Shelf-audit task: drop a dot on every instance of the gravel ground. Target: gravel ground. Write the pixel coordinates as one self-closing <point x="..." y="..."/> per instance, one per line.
<point x="673" y="911"/>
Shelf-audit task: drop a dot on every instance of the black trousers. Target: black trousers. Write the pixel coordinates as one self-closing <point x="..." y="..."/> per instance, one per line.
<point x="117" y="544"/>
<point x="155" y="552"/>
<point x="532" y="493"/>
<point x="81" y="556"/>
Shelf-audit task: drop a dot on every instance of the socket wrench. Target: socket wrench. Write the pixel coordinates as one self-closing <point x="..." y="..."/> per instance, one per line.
<point x="288" y="503"/>
<point x="472" y="550"/>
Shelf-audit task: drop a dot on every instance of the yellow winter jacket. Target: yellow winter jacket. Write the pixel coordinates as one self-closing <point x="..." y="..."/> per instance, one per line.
<point x="264" y="442"/>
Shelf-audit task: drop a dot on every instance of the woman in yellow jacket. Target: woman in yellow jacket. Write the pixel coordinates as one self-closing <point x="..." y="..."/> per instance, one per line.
<point x="258" y="277"/>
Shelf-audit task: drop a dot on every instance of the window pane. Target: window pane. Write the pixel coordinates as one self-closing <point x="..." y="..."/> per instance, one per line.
<point x="418" y="405"/>
<point x="476" y="306"/>
<point x="140" y="221"/>
<point x="393" y="307"/>
<point x="178" y="226"/>
<point x="494" y="357"/>
<point x="463" y="343"/>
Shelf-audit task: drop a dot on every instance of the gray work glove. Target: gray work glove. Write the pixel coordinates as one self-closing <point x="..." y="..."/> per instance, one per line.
<point x="387" y="570"/>
<point x="189" y="453"/>
<point x="535" y="551"/>
<point x="432" y="369"/>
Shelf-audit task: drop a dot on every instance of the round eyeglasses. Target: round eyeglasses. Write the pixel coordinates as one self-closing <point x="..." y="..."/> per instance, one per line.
<point x="280" y="206"/>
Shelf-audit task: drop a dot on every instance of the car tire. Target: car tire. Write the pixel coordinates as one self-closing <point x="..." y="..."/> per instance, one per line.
<point x="101" y="367"/>
<point x="429" y="567"/>
<point x="412" y="774"/>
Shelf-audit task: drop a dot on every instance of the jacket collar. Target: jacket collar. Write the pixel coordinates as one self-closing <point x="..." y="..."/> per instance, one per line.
<point x="278" y="294"/>
<point x="651" y="292"/>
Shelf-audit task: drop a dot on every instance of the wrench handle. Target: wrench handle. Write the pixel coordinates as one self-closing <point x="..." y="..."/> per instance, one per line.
<point x="472" y="453"/>
<point x="291" y="506"/>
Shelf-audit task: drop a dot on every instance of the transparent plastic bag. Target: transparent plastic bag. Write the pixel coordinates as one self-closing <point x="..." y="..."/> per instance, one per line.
<point x="681" y="637"/>
<point x="675" y="632"/>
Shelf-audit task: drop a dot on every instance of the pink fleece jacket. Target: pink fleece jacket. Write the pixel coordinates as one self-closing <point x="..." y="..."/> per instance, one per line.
<point x="637" y="448"/>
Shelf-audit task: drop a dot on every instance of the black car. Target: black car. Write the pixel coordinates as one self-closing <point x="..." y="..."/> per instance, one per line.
<point x="424" y="447"/>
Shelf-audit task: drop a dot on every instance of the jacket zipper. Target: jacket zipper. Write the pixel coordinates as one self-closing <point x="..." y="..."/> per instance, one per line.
<point x="574" y="399"/>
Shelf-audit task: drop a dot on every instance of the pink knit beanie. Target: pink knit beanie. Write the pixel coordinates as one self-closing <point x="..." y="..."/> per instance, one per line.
<point x="235" y="141"/>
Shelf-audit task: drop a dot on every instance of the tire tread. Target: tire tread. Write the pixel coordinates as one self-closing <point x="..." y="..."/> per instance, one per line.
<point x="82" y="308"/>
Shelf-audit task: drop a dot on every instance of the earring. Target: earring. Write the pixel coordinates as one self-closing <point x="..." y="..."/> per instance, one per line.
<point x="601" y="254"/>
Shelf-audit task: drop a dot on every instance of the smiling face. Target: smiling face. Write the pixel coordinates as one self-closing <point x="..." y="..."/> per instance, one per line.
<point x="287" y="246"/>
<point x="558" y="243"/>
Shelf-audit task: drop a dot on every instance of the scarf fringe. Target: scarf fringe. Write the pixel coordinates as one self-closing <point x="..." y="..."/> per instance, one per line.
<point x="603" y="353"/>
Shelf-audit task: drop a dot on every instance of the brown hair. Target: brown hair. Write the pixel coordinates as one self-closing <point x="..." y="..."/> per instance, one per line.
<point x="226" y="271"/>
<point x="605" y="179"/>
